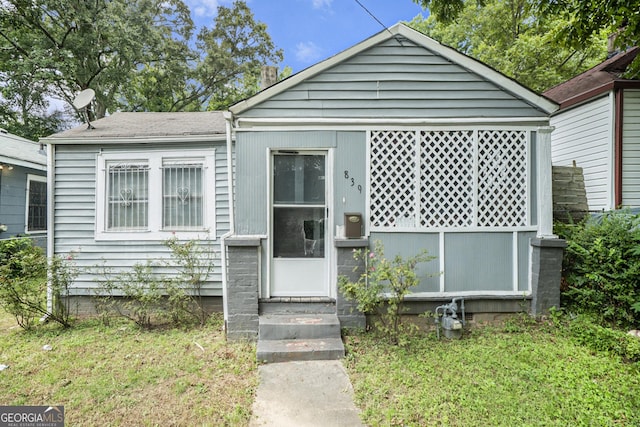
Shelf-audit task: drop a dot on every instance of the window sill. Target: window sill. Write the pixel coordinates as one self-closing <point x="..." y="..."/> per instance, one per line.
<point x="158" y="236"/>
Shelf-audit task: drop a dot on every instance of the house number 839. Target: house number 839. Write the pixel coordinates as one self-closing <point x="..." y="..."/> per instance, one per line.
<point x="352" y="180"/>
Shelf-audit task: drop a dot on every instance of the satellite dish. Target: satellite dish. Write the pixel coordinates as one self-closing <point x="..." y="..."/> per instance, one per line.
<point x="82" y="101"/>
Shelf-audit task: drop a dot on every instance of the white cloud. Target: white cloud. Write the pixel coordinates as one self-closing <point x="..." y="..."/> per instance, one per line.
<point x="321" y="4"/>
<point x="203" y="8"/>
<point x="308" y="52"/>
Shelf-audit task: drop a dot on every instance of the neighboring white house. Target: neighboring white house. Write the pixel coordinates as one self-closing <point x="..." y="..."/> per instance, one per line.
<point x="598" y="129"/>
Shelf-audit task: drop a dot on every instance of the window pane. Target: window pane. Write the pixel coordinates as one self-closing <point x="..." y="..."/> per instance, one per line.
<point x="127" y="197"/>
<point x="183" y="197"/>
<point x="298" y="232"/>
<point x="37" y="211"/>
<point x="298" y="179"/>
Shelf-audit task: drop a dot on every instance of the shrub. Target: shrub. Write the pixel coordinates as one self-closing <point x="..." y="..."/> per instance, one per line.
<point x="381" y="288"/>
<point x="586" y="332"/>
<point x="23" y="283"/>
<point x="601" y="268"/>
<point x="195" y="262"/>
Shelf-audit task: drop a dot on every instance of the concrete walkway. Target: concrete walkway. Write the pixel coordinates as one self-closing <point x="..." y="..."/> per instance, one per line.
<point x="310" y="393"/>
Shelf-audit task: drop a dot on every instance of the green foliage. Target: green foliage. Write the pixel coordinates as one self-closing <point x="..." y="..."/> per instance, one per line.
<point x="137" y="55"/>
<point x="587" y="332"/>
<point x="538" y="377"/>
<point x="601" y="268"/>
<point x="137" y="294"/>
<point x="147" y="297"/>
<point x="510" y="37"/>
<point x="195" y="261"/>
<point x="382" y="287"/>
<point x="23" y="283"/>
<point x="580" y="20"/>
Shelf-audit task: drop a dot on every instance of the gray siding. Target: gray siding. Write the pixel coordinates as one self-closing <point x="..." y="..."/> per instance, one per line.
<point x="473" y="262"/>
<point x="408" y="245"/>
<point x="74" y="229"/>
<point x="13" y="199"/>
<point x="395" y="79"/>
<point x="252" y="172"/>
<point x="350" y="164"/>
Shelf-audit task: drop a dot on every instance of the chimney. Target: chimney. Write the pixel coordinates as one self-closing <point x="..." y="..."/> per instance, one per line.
<point x="268" y="76"/>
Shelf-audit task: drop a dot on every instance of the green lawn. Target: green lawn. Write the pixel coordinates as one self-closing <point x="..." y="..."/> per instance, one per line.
<point x="533" y="377"/>
<point x="121" y="375"/>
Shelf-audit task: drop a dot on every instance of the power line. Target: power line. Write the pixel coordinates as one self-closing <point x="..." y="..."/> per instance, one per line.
<point x="373" y="16"/>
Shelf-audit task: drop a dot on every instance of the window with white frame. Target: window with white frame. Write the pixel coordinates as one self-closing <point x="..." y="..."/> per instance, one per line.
<point x="155" y="194"/>
<point x="36" y="211"/>
<point x="445" y="179"/>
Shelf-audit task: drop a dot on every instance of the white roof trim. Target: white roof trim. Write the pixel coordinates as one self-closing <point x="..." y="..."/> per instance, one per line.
<point x="23" y="163"/>
<point x="136" y="140"/>
<point x="417" y="37"/>
<point x="251" y="122"/>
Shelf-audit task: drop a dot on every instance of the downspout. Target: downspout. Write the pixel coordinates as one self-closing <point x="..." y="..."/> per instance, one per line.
<point x="51" y="163"/>
<point x="617" y="135"/>
<point x="228" y="116"/>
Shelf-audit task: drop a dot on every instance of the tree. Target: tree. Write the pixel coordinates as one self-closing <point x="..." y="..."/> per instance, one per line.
<point x="507" y="35"/>
<point x="224" y="67"/>
<point x="582" y="19"/>
<point x="136" y="54"/>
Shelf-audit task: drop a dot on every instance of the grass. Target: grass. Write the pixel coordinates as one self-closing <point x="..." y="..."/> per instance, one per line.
<point x="121" y="375"/>
<point x="535" y="376"/>
<point x="518" y="374"/>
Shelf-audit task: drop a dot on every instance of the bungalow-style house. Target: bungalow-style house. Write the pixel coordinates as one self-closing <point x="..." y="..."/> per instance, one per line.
<point x="23" y="189"/>
<point x="430" y="148"/>
<point x="398" y="139"/>
<point x="597" y="128"/>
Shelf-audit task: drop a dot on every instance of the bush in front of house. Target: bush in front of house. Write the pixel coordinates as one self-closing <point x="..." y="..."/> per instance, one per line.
<point x="601" y="268"/>
<point x="381" y="288"/>
<point x="23" y="283"/>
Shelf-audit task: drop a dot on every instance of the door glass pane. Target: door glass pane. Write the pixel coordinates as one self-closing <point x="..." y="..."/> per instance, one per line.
<point x="298" y="179"/>
<point x="298" y="232"/>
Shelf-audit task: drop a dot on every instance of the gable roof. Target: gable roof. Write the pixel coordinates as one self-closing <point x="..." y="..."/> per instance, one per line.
<point x="595" y="81"/>
<point x="20" y="151"/>
<point x="143" y="127"/>
<point x="417" y="37"/>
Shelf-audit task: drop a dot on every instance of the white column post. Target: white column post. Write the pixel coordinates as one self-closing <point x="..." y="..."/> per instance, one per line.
<point x="544" y="184"/>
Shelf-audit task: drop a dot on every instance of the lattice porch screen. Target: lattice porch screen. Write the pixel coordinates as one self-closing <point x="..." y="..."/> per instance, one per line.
<point x="448" y="179"/>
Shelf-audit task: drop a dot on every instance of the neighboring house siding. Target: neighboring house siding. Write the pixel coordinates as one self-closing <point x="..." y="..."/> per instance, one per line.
<point x="631" y="149"/>
<point x="396" y="79"/>
<point x="75" y="213"/>
<point x="584" y="135"/>
<point x="13" y="199"/>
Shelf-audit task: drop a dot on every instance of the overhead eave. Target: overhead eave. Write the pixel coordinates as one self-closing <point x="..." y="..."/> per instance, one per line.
<point x="598" y="91"/>
<point x="417" y="37"/>
<point x="136" y="140"/>
<point x="23" y="163"/>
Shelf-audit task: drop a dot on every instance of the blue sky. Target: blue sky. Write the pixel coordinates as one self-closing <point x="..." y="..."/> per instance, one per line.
<point x="312" y="30"/>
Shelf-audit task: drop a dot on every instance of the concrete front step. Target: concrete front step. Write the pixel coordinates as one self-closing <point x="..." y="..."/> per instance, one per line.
<point x="273" y="351"/>
<point x="297" y="305"/>
<point x="298" y="326"/>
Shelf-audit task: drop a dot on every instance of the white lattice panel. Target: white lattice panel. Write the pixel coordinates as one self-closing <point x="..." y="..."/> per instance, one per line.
<point x="446" y="179"/>
<point x="502" y="178"/>
<point x="393" y="178"/>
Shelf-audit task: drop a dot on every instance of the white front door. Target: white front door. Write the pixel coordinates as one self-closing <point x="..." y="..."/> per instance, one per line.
<point x="298" y="225"/>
